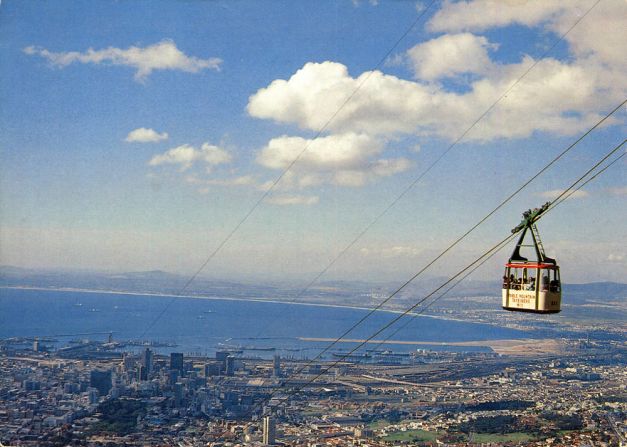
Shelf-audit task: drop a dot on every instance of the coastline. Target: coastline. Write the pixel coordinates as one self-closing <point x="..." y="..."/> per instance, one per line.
<point x="215" y="298"/>
<point x="509" y="346"/>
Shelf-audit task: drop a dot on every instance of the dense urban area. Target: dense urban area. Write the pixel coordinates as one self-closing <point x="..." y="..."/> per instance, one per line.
<point x="92" y="393"/>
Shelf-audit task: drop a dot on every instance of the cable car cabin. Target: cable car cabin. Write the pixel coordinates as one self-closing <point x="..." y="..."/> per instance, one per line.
<point x="531" y="286"/>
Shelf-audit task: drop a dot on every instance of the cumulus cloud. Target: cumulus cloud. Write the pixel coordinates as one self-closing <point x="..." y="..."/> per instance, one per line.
<point x="557" y="97"/>
<point x="555" y="193"/>
<point x="185" y="156"/>
<point x="343" y="159"/>
<point x="286" y="200"/>
<point x="144" y="135"/>
<point x="163" y="55"/>
<point x="330" y="152"/>
<point x="318" y="90"/>
<point x="450" y="55"/>
<point x="242" y="180"/>
<point x="599" y="33"/>
<point x="480" y="15"/>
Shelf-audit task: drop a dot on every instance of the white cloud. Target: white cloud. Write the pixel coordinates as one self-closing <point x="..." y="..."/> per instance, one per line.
<point x="378" y="168"/>
<point x="616" y="257"/>
<point x="600" y="32"/>
<point x="324" y="153"/>
<point x="342" y="159"/>
<point x="420" y="7"/>
<point x="185" y="156"/>
<point x="560" y="97"/>
<point x="395" y="60"/>
<point x="395" y="251"/>
<point x="600" y="35"/>
<point x="480" y="15"/>
<point x="387" y="167"/>
<point x="318" y="90"/>
<point x="144" y="135"/>
<point x="557" y="97"/>
<point x="555" y="193"/>
<point x="285" y="200"/>
<point x="618" y="191"/>
<point x="357" y="3"/>
<point x="243" y="180"/>
<point x="350" y="178"/>
<point x="163" y="55"/>
<point x="400" y="250"/>
<point x="450" y="55"/>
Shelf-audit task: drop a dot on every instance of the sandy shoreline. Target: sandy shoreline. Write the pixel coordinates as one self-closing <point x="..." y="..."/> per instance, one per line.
<point x="215" y="298"/>
<point x="521" y="346"/>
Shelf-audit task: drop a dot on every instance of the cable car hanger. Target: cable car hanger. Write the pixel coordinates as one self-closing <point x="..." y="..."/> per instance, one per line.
<point x="528" y="223"/>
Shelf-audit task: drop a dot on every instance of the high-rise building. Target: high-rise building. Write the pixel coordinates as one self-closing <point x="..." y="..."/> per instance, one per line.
<point x="230" y="366"/>
<point x="141" y="373"/>
<point x="101" y="380"/>
<point x="178" y="393"/>
<point x="269" y="430"/>
<point x="276" y="366"/>
<point x="176" y="362"/>
<point x="221" y="356"/>
<point x="93" y="396"/>
<point x="128" y="362"/>
<point x="173" y="376"/>
<point x="147" y="361"/>
<point x="213" y="369"/>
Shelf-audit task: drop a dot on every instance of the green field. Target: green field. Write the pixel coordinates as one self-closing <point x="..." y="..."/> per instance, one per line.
<point x="411" y="435"/>
<point x="378" y="424"/>
<point x="496" y="437"/>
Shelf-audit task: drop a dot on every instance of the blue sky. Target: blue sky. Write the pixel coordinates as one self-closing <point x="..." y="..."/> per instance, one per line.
<point x="135" y="135"/>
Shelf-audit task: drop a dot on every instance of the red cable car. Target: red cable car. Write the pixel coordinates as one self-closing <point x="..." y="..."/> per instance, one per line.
<point x="531" y="286"/>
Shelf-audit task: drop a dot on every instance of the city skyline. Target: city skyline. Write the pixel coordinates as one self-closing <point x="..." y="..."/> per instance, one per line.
<point x="139" y="136"/>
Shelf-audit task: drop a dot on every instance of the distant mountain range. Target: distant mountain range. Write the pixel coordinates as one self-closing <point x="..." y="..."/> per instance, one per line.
<point x="154" y="281"/>
<point x="158" y="281"/>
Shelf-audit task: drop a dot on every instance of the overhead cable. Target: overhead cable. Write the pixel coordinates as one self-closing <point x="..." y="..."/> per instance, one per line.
<point x="475" y="226"/>
<point x="495" y="248"/>
<point x="470" y="267"/>
<point x="557" y="201"/>
<point x="441" y="156"/>
<point x="267" y="192"/>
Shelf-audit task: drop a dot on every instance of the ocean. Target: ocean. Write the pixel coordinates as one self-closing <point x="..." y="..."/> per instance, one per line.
<point x="202" y="326"/>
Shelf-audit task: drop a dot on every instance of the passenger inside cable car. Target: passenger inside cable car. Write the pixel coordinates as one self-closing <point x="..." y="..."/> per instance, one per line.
<point x="531" y="286"/>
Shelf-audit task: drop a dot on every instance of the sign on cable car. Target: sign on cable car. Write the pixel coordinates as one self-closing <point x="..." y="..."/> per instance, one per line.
<point x="531" y="285"/>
